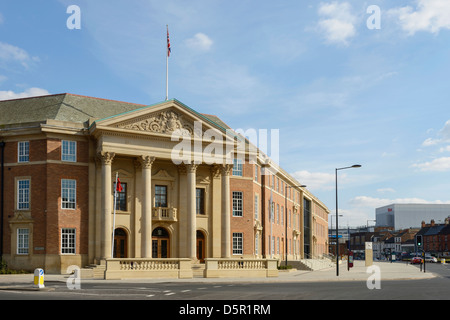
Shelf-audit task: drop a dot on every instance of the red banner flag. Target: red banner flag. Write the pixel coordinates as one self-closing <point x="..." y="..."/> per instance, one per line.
<point x="119" y="186"/>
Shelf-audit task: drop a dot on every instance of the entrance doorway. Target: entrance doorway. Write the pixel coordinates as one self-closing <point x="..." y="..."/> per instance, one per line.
<point x="201" y="246"/>
<point x="160" y="243"/>
<point x="120" y="243"/>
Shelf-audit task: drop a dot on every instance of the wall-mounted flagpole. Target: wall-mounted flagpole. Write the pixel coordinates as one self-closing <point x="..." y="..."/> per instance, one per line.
<point x="167" y="63"/>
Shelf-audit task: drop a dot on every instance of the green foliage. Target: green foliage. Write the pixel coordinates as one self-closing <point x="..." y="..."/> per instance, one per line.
<point x="284" y="267"/>
<point x="5" y="270"/>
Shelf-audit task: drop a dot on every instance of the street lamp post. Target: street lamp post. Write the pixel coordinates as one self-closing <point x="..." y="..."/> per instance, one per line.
<point x="337" y="223"/>
<point x="331" y="229"/>
<point x="286" y="217"/>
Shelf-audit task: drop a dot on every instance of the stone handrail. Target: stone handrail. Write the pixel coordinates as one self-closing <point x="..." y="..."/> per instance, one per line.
<point x="164" y="214"/>
<point x="148" y="268"/>
<point x="133" y="268"/>
<point x="217" y="267"/>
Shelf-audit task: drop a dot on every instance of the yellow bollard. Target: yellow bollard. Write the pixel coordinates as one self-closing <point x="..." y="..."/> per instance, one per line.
<point x="39" y="278"/>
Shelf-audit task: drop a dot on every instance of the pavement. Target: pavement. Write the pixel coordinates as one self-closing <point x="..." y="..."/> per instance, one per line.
<point x="385" y="271"/>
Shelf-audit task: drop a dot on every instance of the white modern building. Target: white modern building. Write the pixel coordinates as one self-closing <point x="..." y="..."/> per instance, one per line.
<point x="403" y="216"/>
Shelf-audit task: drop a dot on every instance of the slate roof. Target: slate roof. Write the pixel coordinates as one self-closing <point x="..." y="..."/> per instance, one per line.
<point x="445" y="230"/>
<point x="73" y="108"/>
<point x="434" y="230"/>
<point x="63" y="107"/>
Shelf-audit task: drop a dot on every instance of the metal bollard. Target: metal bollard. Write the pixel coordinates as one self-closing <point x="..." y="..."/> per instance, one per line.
<point x="39" y="278"/>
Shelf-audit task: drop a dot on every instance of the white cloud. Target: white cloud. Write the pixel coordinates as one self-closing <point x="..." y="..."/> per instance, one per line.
<point x="445" y="131"/>
<point x="439" y="164"/>
<point x="385" y="190"/>
<point x="32" y="92"/>
<point x="443" y="136"/>
<point x="10" y="53"/>
<point x="337" y="22"/>
<point x="315" y="180"/>
<point x="200" y="42"/>
<point x="444" y="149"/>
<point x="429" y="15"/>
<point x="430" y="142"/>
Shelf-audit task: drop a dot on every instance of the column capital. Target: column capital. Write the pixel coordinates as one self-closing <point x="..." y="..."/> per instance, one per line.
<point x="215" y="171"/>
<point x="182" y="169"/>
<point x="192" y="168"/>
<point x="106" y="157"/>
<point x="146" y="161"/>
<point x="226" y="169"/>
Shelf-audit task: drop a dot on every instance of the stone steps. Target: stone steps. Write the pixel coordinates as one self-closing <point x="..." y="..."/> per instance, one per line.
<point x="93" y="271"/>
<point x="198" y="270"/>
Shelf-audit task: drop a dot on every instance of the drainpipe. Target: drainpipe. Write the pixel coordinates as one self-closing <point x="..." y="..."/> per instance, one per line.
<point x="2" y="198"/>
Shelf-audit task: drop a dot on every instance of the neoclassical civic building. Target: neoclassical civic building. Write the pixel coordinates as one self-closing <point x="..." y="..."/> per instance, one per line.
<point x="188" y="190"/>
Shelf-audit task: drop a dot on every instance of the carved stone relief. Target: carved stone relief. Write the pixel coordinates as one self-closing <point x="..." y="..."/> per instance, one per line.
<point x="163" y="122"/>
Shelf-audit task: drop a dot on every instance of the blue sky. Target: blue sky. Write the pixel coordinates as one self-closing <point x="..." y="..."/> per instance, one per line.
<point x="339" y="92"/>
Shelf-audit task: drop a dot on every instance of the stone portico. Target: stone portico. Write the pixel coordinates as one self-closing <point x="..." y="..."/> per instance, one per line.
<point x="138" y="146"/>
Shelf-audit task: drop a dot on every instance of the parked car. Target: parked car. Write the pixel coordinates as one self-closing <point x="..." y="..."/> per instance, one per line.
<point x="430" y="259"/>
<point x="416" y="260"/>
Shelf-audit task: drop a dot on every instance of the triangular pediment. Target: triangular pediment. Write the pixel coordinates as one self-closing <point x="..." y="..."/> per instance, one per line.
<point x="164" y="122"/>
<point x="162" y="119"/>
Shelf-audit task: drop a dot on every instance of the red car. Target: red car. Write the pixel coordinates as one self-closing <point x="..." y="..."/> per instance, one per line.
<point x="416" y="260"/>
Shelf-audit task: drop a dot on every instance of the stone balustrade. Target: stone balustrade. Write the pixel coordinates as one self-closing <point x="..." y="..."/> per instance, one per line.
<point x="164" y="214"/>
<point x="180" y="268"/>
<point x="221" y="268"/>
<point x="148" y="268"/>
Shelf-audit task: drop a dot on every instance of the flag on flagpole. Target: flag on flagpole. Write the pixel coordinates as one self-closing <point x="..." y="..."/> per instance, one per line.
<point x="119" y="187"/>
<point x="169" y="49"/>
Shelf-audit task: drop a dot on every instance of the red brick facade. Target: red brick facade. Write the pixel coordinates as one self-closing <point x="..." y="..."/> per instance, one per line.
<point x="44" y="217"/>
<point x="45" y="171"/>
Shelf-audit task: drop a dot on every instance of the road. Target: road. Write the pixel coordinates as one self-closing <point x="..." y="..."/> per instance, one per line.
<point x="429" y="289"/>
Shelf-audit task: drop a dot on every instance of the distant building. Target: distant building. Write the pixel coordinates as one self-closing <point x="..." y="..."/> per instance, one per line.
<point x="435" y="237"/>
<point x="404" y="216"/>
<point x="384" y="243"/>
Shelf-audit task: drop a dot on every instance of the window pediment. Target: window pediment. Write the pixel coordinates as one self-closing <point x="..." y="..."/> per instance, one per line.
<point x="163" y="175"/>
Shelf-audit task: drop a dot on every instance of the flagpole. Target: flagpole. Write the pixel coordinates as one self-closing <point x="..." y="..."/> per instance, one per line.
<point x="114" y="215"/>
<point x="167" y="65"/>
<point x="271" y="242"/>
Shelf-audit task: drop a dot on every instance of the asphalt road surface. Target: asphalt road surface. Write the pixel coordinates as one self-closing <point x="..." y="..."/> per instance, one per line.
<point x="437" y="288"/>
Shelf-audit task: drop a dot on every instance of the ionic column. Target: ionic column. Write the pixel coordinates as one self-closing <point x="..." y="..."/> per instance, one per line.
<point x="146" y="218"/>
<point x="226" y="212"/>
<point x="191" y="208"/>
<point x="106" y="225"/>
